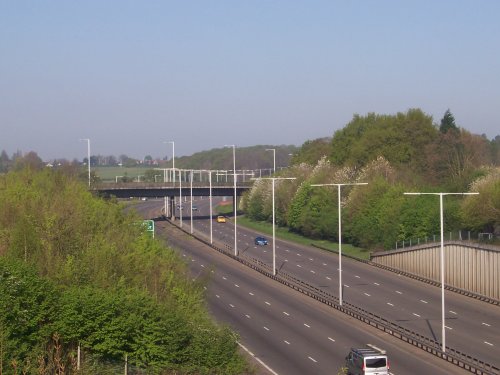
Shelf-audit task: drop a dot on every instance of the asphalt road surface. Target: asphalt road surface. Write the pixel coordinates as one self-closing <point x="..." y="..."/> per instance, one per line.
<point x="287" y="332"/>
<point x="471" y="326"/>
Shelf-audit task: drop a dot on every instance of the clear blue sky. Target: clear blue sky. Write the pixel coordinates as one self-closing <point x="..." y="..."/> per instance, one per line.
<point x="132" y="74"/>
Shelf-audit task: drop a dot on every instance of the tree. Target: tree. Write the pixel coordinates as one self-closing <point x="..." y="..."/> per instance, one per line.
<point x="5" y="162"/>
<point x="399" y="138"/>
<point x="312" y="151"/>
<point x="30" y="160"/>
<point x="447" y="123"/>
<point x="482" y="212"/>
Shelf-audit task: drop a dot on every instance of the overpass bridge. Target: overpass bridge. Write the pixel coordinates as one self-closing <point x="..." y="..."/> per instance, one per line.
<point x="162" y="189"/>
<point x="169" y="191"/>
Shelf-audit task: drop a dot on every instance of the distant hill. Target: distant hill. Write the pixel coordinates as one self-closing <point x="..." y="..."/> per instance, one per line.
<point x="253" y="157"/>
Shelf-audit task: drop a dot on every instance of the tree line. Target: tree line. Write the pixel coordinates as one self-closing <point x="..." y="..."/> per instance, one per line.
<point x="76" y="270"/>
<point x="394" y="154"/>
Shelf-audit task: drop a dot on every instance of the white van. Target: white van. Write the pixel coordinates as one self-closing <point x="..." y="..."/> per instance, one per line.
<point x="369" y="360"/>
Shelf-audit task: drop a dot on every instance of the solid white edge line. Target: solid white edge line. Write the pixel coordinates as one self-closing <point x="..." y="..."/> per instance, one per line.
<point x="257" y="359"/>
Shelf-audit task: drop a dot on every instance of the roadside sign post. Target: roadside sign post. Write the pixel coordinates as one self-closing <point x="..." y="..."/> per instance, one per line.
<point x="150" y="226"/>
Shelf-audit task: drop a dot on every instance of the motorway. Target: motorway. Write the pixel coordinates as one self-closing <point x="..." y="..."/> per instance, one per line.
<point x="286" y="331"/>
<point x="472" y="326"/>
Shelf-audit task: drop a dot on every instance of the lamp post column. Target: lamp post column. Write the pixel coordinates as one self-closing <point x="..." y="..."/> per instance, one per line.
<point x="274" y="158"/>
<point x="210" y="188"/>
<point x="442" y="266"/>
<point x="88" y="155"/>
<point x="340" y="230"/>
<point x="441" y="220"/>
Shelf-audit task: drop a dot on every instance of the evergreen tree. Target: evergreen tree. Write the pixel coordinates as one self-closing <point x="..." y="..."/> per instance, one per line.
<point x="447" y="123"/>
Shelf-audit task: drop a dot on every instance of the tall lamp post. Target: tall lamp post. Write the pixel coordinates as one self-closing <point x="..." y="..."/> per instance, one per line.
<point x="173" y="159"/>
<point x="210" y="189"/>
<point x="274" y="158"/>
<point x="88" y="155"/>
<point x="191" y="202"/>
<point x="441" y="220"/>
<point x="340" y="229"/>
<point x="273" y="179"/>
<point x="234" y="199"/>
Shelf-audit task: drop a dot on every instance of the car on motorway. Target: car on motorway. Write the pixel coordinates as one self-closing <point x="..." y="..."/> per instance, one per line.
<point x="367" y="360"/>
<point x="221" y="219"/>
<point x="195" y="208"/>
<point x="261" y="241"/>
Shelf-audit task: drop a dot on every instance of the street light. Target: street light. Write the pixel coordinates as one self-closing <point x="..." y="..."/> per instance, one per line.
<point x="173" y="159"/>
<point x="274" y="158"/>
<point x="88" y="154"/>
<point x="340" y="230"/>
<point x="273" y="179"/>
<point x="235" y="204"/>
<point x="443" y="333"/>
<point x="191" y="202"/>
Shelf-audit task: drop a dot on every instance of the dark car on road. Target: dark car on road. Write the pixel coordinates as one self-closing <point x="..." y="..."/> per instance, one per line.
<point x="261" y="241"/>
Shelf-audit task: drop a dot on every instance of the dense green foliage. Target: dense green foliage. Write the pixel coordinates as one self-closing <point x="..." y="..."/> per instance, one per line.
<point x="76" y="269"/>
<point x="394" y="154"/>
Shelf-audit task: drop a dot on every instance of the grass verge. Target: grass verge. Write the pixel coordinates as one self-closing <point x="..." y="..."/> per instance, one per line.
<point x="284" y="234"/>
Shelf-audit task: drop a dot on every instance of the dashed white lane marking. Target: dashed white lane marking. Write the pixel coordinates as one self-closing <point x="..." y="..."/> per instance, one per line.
<point x="224" y="278"/>
<point x="287" y="314"/>
<point x="448" y="327"/>
<point x="298" y="265"/>
<point x="267" y="303"/>
<point x="248" y="316"/>
<point x="231" y="305"/>
<point x="416" y="314"/>
<point x="217" y="296"/>
<point x="267" y="329"/>
<point x="453" y="312"/>
<point x="312" y="359"/>
<point x="312" y="271"/>
<point x="366" y="294"/>
<point x="423" y="301"/>
<point x="390" y="304"/>
<point x="286" y="260"/>
<point x="486" y="324"/>
<point x="287" y="250"/>
<point x="203" y="265"/>
<point x="258" y="360"/>
<point x="299" y="254"/>
<point x="398" y="292"/>
<point x="286" y="342"/>
<point x="311" y="259"/>
<point x="324" y="264"/>
<point x="236" y="285"/>
<point x="328" y="278"/>
<point x="488" y="343"/>
<point x="251" y="293"/>
<point x="357" y="277"/>
<point x="307" y="325"/>
<point x="347" y="286"/>
<point x="377" y="284"/>
<point x="329" y="338"/>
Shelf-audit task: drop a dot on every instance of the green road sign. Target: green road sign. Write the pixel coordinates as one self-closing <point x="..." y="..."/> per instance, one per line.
<point x="150" y="226"/>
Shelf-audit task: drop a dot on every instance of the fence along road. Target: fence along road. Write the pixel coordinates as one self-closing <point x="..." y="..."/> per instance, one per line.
<point x="470" y="267"/>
